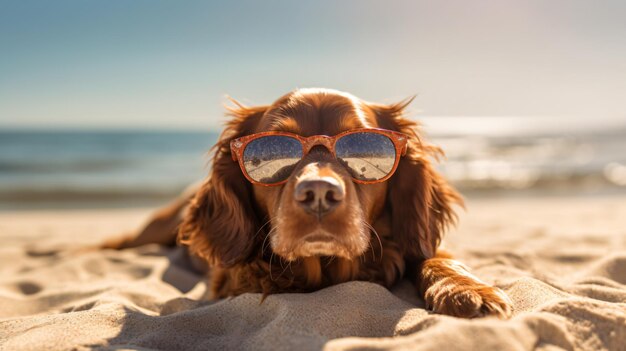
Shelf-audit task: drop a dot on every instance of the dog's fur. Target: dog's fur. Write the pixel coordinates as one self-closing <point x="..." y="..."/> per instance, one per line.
<point x="259" y="239"/>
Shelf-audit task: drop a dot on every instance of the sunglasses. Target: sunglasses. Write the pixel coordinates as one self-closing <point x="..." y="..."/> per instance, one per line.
<point x="370" y="155"/>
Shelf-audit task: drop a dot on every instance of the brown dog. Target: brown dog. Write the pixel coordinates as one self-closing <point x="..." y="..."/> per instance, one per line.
<point x="355" y="198"/>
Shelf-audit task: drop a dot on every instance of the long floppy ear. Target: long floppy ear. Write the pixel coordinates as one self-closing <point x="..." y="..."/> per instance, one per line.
<point x="419" y="198"/>
<point x="221" y="221"/>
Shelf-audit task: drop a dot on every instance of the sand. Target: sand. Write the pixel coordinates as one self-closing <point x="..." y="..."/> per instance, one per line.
<point x="561" y="260"/>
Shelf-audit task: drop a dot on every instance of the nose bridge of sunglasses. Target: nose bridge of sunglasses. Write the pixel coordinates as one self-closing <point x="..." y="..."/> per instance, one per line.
<point x="316" y="140"/>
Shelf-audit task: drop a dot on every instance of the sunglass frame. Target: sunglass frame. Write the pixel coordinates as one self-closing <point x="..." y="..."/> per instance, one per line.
<point x="399" y="140"/>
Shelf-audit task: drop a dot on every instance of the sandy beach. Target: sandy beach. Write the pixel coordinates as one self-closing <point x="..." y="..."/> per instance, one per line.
<point x="561" y="260"/>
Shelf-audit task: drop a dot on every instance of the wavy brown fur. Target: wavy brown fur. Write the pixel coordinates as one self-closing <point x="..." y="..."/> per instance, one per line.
<point x="237" y="228"/>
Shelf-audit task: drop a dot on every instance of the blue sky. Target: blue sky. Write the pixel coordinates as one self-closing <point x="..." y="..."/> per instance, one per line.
<point x="169" y="64"/>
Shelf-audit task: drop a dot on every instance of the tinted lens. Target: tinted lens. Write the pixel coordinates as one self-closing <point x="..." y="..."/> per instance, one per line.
<point x="368" y="156"/>
<point x="271" y="159"/>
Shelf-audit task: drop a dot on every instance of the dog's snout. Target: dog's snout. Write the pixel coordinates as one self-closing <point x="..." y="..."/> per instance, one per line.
<point x="319" y="196"/>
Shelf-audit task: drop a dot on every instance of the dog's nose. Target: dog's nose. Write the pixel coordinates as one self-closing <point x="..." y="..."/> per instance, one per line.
<point x="319" y="196"/>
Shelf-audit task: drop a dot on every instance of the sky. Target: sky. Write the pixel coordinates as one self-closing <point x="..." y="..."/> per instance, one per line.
<point x="170" y="64"/>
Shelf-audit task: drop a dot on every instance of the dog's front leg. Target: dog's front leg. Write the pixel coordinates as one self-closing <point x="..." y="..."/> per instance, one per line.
<point x="448" y="287"/>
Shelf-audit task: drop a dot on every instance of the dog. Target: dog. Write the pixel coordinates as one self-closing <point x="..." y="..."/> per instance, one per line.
<point x="321" y="188"/>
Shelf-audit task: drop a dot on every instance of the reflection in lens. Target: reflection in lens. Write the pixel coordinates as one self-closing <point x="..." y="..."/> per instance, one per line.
<point x="271" y="159"/>
<point x="368" y="156"/>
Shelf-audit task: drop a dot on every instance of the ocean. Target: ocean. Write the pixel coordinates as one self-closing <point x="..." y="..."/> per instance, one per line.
<point x="89" y="169"/>
<point x="69" y="169"/>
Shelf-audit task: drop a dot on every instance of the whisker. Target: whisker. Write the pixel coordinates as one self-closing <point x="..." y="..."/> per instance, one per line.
<point x="380" y="243"/>
<point x="284" y="269"/>
<point x="263" y="246"/>
<point x="266" y="236"/>
<point x="263" y="226"/>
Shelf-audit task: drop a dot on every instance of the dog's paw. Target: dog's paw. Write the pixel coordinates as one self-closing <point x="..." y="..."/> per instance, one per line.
<point x="468" y="300"/>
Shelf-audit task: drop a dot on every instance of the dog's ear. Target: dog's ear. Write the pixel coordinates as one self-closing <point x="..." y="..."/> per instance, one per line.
<point x="420" y="199"/>
<point x="221" y="221"/>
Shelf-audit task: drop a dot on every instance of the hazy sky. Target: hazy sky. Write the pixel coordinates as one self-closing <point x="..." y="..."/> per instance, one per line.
<point x="154" y="64"/>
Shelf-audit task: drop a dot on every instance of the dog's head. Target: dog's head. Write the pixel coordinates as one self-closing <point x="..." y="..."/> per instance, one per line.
<point x="319" y="210"/>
